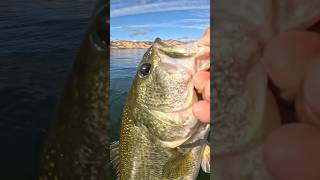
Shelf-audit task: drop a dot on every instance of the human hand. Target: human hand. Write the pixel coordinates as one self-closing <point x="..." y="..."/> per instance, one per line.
<point x="201" y="79"/>
<point x="292" y="61"/>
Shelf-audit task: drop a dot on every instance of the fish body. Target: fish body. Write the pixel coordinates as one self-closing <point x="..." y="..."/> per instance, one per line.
<point x="242" y="98"/>
<point x="76" y="146"/>
<point x="159" y="136"/>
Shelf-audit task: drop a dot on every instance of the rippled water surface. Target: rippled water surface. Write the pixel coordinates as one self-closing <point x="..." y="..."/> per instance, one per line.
<point x="38" y="40"/>
<point x="123" y="66"/>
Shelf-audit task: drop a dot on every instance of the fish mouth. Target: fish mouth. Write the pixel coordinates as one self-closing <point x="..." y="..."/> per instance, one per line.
<point x="178" y="61"/>
<point x="190" y="99"/>
<point x="179" y="57"/>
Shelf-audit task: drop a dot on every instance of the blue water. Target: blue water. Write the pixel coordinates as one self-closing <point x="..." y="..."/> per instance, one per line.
<point x="38" y="40"/>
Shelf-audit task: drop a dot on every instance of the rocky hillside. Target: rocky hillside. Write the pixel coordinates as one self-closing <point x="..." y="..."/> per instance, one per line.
<point x="140" y="44"/>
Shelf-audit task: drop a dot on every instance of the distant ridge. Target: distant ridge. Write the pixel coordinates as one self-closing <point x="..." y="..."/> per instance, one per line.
<point x="124" y="44"/>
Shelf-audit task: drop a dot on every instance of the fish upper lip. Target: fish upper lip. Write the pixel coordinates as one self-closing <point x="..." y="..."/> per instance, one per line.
<point x="184" y="62"/>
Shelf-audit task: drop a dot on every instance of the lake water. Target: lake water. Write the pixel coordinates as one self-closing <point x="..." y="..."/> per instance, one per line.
<point x="39" y="39"/>
<point x="123" y="66"/>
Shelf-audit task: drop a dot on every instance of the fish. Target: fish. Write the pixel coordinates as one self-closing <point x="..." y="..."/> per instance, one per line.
<point x="77" y="143"/>
<point x="241" y="97"/>
<point x="159" y="136"/>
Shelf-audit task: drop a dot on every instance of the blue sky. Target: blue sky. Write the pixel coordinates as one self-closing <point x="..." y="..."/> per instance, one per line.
<point x="167" y="19"/>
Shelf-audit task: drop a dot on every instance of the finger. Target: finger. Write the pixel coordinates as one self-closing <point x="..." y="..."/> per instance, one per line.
<point x="287" y="57"/>
<point x="200" y="79"/>
<point x="292" y="152"/>
<point x="201" y="110"/>
<point x="203" y="58"/>
<point x="205" y="40"/>
<point x="203" y="53"/>
<point x="206" y="93"/>
<point x="308" y="101"/>
<point x="202" y="65"/>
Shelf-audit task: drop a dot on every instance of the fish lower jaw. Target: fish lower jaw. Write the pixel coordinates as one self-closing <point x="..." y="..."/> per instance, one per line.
<point x="184" y="116"/>
<point x="174" y="144"/>
<point x="190" y="98"/>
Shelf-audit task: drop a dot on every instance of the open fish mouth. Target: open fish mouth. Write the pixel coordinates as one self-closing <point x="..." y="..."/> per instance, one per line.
<point x="178" y="63"/>
<point x="180" y="57"/>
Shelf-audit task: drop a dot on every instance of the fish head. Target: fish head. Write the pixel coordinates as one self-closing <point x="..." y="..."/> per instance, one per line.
<point x="85" y="93"/>
<point x="97" y="32"/>
<point x="164" y="92"/>
<point x="163" y="80"/>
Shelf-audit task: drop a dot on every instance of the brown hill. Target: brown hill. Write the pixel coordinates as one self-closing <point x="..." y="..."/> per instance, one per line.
<point x="123" y="44"/>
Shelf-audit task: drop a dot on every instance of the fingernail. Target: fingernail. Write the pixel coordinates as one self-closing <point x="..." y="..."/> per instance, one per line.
<point x="204" y="65"/>
<point x="206" y="94"/>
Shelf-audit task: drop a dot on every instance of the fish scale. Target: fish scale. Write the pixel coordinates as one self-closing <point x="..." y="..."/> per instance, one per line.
<point x="77" y="143"/>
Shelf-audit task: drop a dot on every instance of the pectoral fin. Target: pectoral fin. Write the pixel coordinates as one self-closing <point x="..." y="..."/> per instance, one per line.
<point x="179" y="166"/>
<point x="205" y="162"/>
<point x="114" y="156"/>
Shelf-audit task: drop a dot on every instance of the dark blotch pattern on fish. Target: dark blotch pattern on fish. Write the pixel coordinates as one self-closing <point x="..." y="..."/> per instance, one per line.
<point x="78" y="141"/>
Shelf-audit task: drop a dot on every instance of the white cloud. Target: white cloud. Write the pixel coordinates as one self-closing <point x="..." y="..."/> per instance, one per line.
<point x="201" y="26"/>
<point x="195" y="20"/>
<point x="201" y="14"/>
<point x="162" y="6"/>
<point x="195" y="23"/>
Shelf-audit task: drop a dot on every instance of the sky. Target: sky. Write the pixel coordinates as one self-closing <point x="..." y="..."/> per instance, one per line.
<point x="168" y="19"/>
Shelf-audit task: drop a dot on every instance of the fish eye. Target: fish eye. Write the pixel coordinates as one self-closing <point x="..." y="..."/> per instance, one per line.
<point x="99" y="35"/>
<point x="145" y="69"/>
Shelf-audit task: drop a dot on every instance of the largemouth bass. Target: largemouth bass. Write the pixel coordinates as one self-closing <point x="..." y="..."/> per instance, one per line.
<point x="159" y="136"/>
<point x="76" y="147"/>
<point x="243" y="103"/>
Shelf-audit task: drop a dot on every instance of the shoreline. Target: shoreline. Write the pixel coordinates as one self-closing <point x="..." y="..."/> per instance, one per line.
<point x="129" y="47"/>
<point x="125" y="44"/>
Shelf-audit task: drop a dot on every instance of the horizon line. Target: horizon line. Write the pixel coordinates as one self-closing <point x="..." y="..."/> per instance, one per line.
<point x="152" y="40"/>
